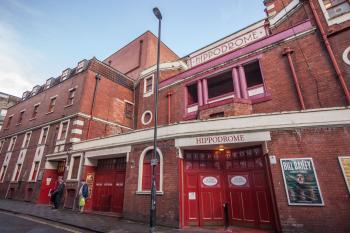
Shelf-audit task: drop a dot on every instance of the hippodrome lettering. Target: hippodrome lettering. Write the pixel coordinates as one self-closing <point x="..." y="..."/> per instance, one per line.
<point x="231" y="45"/>
<point x="220" y="139"/>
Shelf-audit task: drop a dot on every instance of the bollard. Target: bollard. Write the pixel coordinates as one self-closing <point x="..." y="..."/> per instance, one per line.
<point x="226" y="220"/>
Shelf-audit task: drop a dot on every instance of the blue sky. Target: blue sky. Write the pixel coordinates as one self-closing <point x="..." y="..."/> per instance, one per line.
<point x="39" y="39"/>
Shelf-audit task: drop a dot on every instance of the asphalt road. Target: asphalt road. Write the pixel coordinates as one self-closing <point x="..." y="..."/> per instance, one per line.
<point x="13" y="223"/>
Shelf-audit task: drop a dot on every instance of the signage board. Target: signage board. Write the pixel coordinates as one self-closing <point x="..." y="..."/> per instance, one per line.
<point x="345" y="167"/>
<point x="223" y="139"/>
<point x="235" y="41"/>
<point x="300" y="180"/>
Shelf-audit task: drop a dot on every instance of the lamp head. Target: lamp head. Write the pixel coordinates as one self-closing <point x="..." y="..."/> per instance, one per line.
<point x="157" y="13"/>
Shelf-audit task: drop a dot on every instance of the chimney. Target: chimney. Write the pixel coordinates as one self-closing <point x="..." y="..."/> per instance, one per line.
<point x="273" y="7"/>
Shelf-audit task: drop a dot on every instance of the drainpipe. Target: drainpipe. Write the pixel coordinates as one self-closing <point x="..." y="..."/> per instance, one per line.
<point x="288" y="51"/>
<point x="98" y="78"/>
<point x="168" y="95"/>
<point x="330" y="51"/>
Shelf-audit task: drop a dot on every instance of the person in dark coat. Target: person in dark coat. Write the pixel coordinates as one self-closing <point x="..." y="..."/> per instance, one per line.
<point x="56" y="195"/>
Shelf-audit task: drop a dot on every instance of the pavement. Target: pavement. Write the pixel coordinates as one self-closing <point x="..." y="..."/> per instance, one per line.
<point x="99" y="223"/>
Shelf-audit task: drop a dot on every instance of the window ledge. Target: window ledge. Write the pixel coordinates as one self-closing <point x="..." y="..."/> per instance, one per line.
<point x="68" y="105"/>
<point x="148" y="192"/>
<point x="18" y="124"/>
<point x="48" y="113"/>
<point x="32" y="119"/>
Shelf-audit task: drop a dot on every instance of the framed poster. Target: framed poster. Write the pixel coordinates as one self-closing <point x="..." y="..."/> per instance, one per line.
<point x="300" y="180"/>
<point x="345" y="167"/>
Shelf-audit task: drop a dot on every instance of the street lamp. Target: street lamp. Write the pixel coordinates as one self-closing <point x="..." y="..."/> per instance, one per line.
<point x="152" y="222"/>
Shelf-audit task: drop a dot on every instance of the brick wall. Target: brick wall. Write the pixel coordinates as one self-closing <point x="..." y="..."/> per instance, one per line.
<point x="324" y="145"/>
<point x="136" y="206"/>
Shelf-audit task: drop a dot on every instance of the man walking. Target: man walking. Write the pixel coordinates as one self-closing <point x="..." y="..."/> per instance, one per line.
<point x="56" y="195"/>
<point x="83" y="195"/>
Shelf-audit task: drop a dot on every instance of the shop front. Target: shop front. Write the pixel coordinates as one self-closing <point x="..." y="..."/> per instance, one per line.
<point x="226" y="180"/>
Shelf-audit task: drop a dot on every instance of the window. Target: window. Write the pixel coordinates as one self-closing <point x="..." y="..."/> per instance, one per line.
<point x="35" y="110"/>
<point x="9" y="121"/>
<point x="35" y="171"/>
<point x="12" y="144"/>
<point x="253" y="74"/>
<point x="81" y="66"/>
<point x="20" y="118"/>
<point x="145" y="171"/>
<point x="146" y="117"/>
<point x="220" y="85"/>
<point x="52" y="104"/>
<point x="63" y="131"/>
<point x="65" y="74"/>
<point x="26" y="140"/>
<point x="75" y="167"/>
<point x="148" y="86"/>
<point x="217" y="115"/>
<point x="71" y="94"/>
<point x="2" y="174"/>
<point x="17" y="172"/>
<point x="43" y="136"/>
<point x="129" y="109"/>
<point x="3" y="112"/>
<point x="336" y="8"/>
<point x="192" y="97"/>
<point x="2" y="142"/>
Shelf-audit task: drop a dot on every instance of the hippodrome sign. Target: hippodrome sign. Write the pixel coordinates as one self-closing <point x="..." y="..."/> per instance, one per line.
<point x="233" y="44"/>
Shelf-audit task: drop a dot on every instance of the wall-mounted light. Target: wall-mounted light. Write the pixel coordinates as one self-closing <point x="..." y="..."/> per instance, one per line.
<point x="221" y="148"/>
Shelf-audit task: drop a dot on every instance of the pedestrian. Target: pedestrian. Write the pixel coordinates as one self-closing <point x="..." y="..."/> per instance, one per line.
<point x="83" y="195"/>
<point x="56" y="195"/>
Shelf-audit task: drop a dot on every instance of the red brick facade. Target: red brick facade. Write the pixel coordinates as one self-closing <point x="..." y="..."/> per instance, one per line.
<point x="281" y="93"/>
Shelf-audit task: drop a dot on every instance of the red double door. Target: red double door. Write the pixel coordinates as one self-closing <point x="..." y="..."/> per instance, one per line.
<point x="235" y="177"/>
<point x="108" y="190"/>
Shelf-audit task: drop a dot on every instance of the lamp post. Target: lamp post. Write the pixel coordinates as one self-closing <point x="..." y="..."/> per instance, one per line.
<point x="152" y="222"/>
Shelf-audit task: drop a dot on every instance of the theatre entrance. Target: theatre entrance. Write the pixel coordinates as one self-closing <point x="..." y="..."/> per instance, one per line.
<point x="108" y="190"/>
<point x="236" y="177"/>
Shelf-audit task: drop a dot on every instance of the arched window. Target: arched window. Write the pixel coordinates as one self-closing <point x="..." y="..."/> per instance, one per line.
<point x="145" y="172"/>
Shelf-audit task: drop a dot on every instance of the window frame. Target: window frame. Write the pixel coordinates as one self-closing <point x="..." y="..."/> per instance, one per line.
<point x="35" y="110"/>
<point x="59" y="135"/>
<point x="333" y="20"/>
<point x="52" y="107"/>
<point x="25" y="139"/>
<point x="9" y="120"/>
<point x="70" y="99"/>
<point x="12" y="144"/>
<point x="32" y="171"/>
<point x="3" y="171"/>
<point x="17" y="172"/>
<point x="140" y="174"/>
<point x="40" y="142"/>
<point x="2" y="144"/>
<point x="71" y="166"/>
<point x="146" y="92"/>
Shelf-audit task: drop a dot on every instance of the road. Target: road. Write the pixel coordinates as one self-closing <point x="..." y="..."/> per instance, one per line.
<point x="14" y="223"/>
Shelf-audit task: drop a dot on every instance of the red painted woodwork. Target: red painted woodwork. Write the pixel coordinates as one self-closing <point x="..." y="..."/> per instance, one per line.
<point x="236" y="177"/>
<point x="147" y="172"/>
<point x="109" y="185"/>
<point x="49" y="181"/>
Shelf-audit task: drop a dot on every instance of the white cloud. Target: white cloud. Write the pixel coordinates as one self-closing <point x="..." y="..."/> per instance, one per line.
<point x="18" y="64"/>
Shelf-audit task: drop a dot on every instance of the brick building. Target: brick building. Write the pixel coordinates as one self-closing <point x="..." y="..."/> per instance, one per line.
<point x="6" y="101"/>
<point x="258" y="120"/>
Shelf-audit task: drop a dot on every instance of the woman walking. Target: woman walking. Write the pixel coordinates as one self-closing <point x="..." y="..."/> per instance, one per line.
<point x="83" y="195"/>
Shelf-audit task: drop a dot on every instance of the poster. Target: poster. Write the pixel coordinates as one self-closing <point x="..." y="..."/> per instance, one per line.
<point x="300" y="180"/>
<point x="90" y="182"/>
<point x="345" y="167"/>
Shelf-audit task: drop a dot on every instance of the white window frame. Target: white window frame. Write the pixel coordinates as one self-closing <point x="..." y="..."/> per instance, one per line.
<point x="14" y="172"/>
<point x="12" y="143"/>
<point x="71" y="167"/>
<point x="42" y="134"/>
<point x="336" y="20"/>
<point x="140" y="176"/>
<point x="3" y="172"/>
<point x="69" y="91"/>
<point x="60" y="131"/>
<point x="25" y="138"/>
<point x="32" y="170"/>
<point x="2" y="143"/>
<point x="38" y="104"/>
<point x="148" y="93"/>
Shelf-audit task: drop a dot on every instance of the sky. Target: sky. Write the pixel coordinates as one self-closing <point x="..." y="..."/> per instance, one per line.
<point x="40" y="39"/>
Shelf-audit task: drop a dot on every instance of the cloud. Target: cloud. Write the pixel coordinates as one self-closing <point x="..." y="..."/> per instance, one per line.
<point x="18" y="64"/>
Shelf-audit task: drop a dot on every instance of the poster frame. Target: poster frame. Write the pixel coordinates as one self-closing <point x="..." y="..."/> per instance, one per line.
<point x="286" y="188"/>
<point x="343" y="171"/>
